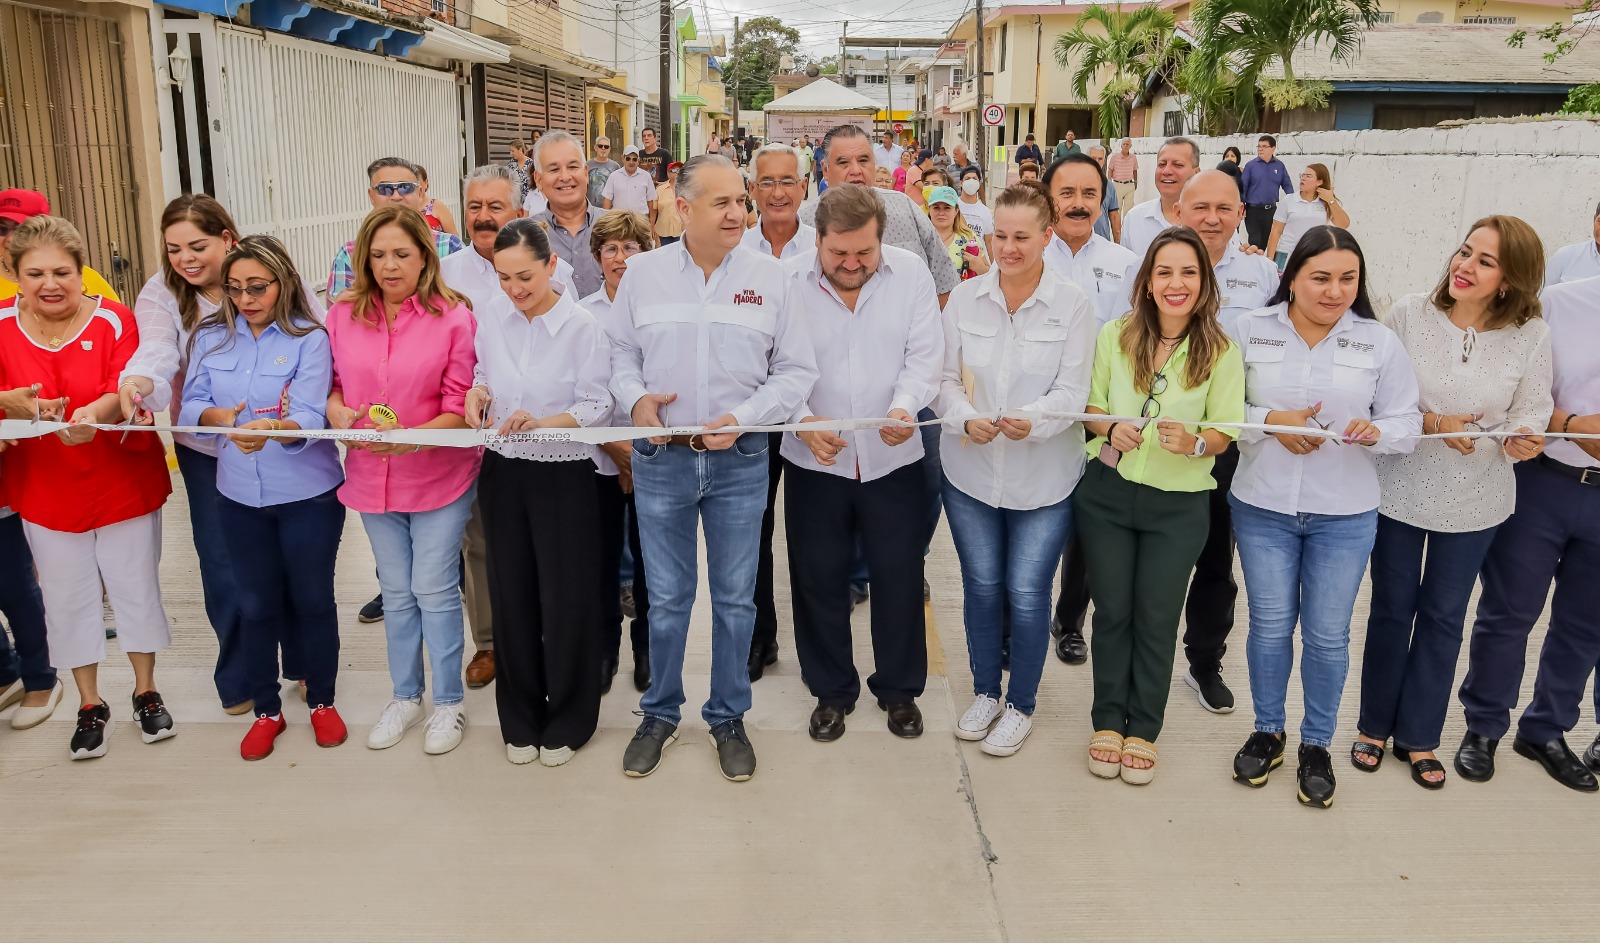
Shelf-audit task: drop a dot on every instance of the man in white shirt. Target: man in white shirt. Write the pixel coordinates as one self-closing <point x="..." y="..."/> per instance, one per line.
<point x="887" y="154"/>
<point x="630" y="188"/>
<point x="1104" y="271"/>
<point x="1210" y="204"/>
<point x="705" y="292"/>
<point x="1176" y="162"/>
<point x="873" y="316"/>
<point x="778" y="188"/>
<point x="1575" y="262"/>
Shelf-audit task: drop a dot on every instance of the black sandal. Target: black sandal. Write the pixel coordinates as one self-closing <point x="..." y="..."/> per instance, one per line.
<point x="1420" y="767"/>
<point x="1362" y="748"/>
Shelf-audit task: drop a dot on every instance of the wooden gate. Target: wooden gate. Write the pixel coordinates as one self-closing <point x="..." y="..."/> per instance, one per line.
<point x="515" y="100"/>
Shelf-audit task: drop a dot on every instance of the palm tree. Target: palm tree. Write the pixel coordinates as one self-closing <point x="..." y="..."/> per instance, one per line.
<point x="1124" y="48"/>
<point x="1247" y="36"/>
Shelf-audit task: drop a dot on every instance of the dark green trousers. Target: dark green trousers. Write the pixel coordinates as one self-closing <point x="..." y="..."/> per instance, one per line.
<point x="1140" y="544"/>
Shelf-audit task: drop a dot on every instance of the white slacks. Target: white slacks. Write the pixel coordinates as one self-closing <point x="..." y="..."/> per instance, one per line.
<point x="126" y="558"/>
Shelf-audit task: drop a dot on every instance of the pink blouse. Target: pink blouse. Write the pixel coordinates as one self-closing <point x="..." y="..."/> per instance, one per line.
<point x="421" y="367"/>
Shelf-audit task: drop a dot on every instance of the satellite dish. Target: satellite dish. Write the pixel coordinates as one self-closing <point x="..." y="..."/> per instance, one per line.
<point x="812" y="71"/>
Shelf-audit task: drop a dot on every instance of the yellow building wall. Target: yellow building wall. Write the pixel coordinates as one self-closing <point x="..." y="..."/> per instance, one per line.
<point x="539" y="23"/>
<point x="1455" y="11"/>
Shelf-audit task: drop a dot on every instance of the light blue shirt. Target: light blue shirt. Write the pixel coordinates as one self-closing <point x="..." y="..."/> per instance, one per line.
<point x="277" y="377"/>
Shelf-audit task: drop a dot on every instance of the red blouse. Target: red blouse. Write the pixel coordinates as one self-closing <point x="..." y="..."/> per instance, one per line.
<point x="77" y="488"/>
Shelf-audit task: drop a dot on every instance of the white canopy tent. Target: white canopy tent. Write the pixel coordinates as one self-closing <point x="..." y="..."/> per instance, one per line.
<point x="816" y="109"/>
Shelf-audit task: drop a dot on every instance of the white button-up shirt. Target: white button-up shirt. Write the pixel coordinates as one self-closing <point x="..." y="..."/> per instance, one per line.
<point x="1246" y="283"/>
<point x="728" y="344"/>
<point x="886" y="354"/>
<point x="1102" y="270"/>
<point x="805" y="240"/>
<point x="1141" y="225"/>
<point x="600" y="307"/>
<point x="557" y="363"/>
<point x="1359" y="371"/>
<point x="1572" y="312"/>
<point x="1573" y="263"/>
<point x="474" y="276"/>
<point x="634" y="192"/>
<point x="887" y="156"/>
<point x="1041" y="358"/>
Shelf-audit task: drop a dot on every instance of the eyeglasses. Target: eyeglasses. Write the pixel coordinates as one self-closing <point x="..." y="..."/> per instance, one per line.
<point x="631" y="157"/>
<point x="611" y="250"/>
<point x="767" y="183"/>
<point x="602" y="147"/>
<point x="390" y="189"/>
<point x="1158" y="385"/>
<point x="254" y="289"/>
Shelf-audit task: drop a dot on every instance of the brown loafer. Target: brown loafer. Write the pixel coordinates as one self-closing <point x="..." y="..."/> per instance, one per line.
<point x="480" y="670"/>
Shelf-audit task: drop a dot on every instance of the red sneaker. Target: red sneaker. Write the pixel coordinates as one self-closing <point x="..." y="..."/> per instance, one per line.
<point x="328" y="726"/>
<point x="258" y="741"/>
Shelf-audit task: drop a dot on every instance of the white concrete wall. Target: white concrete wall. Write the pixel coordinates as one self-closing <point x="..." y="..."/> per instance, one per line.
<point x="1410" y="194"/>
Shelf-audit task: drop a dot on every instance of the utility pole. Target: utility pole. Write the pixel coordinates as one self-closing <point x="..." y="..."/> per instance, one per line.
<point x="666" y="77"/>
<point x="737" y="103"/>
<point x="616" y="38"/>
<point x="978" y="129"/>
<point x="888" y="81"/>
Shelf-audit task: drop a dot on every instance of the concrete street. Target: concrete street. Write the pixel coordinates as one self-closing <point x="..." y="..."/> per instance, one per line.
<point x="869" y="838"/>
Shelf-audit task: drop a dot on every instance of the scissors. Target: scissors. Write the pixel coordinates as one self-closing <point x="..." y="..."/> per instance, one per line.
<point x="131" y="421"/>
<point x="483" y="419"/>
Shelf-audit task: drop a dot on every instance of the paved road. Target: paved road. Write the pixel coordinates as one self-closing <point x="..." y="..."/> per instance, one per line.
<point x="870" y="838"/>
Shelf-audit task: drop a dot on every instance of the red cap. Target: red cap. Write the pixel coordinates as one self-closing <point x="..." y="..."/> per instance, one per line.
<point x="675" y="165"/>
<point x="22" y="205"/>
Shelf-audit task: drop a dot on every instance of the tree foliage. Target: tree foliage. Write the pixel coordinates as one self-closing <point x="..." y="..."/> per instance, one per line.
<point x="1562" y="38"/>
<point x="1125" y="49"/>
<point x="1583" y="100"/>
<point x="758" y="46"/>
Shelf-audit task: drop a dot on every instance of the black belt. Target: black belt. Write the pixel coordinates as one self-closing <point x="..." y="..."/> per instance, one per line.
<point x="1269" y="206"/>
<point x="1585" y="476"/>
<point x="1122" y="181"/>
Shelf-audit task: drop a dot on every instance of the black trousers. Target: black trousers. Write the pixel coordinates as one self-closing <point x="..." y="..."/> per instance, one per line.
<point x="541" y="522"/>
<point x="1213" y="591"/>
<point x="766" y="633"/>
<point x="615" y="506"/>
<point x="1258" y="223"/>
<point x="826" y="515"/>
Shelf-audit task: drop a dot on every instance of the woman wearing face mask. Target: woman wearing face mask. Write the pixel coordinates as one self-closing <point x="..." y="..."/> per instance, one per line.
<point x="1483" y="361"/>
<point x="978" y="216"/>
<point x="1018" y="339"/>
<point x="1314" y="204"/>
<point x="1143" y="510"/>
<point x="262" y="362"/>
<point x="1305" y="507"/>
<point x="966" y="249"/>
<point x="403" y="358"/>
<point x="617" y="237"/>
<point x="543" y="363"/>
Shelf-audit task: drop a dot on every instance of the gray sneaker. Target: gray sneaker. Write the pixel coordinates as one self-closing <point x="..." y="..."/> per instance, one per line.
<point x="644" y="753"/>
<point x="734" y="752"/>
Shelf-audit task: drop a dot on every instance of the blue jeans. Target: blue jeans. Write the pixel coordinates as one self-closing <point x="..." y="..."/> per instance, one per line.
<point x="674" y="490"/>
<point x="232" y="675"/>
<point x="1414" y="630"/>
<point x="23" y="607"/>
<point x="419" y="572"/>
<point x="1007" y="556"/>
<point x="1303" y="568"/>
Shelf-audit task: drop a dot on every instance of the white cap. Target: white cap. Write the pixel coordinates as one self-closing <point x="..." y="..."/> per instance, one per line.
<point x="630" y="149"/>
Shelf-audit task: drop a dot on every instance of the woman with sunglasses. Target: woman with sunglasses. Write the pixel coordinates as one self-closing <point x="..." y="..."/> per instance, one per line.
<point x="1305" y="507"/>
<point x="1483" y="360"/>
<point x="262" y="362"/>
<point x="1143" y="510"/>
<point x="617" y="237"/>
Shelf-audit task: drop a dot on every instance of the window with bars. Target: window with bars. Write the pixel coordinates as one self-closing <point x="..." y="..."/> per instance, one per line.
<point x="1490" y="20"/>
<point x="1385" y="17"/>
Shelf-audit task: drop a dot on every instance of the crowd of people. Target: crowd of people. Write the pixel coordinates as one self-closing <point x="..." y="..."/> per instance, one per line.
<point x="1253" y="398"/>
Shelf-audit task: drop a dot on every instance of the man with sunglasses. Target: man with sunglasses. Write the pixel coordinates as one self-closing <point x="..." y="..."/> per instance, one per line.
<point x="630" y="188"/>
<point x="389" y="180"/>
<point x="601" y="166"/>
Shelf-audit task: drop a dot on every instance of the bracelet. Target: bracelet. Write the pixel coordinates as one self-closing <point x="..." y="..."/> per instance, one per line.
<point x="277" y="426"/>
<point x="1567" y="423"/>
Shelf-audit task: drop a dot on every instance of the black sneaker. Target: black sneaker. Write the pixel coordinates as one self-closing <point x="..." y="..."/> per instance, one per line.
<point x="644" y="753"/>
<point x="372" y="611"/>
<point x="154" y="721"/>
<point x="1315" y="776"/>
<point x="94" y="729"/>
<point x="1255" y="761"/>
<point x="1213" y="695"/>
<point x="734" y="752"/>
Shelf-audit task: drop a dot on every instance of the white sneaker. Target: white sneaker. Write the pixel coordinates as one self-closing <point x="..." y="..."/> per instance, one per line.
<point x="445" y="728"/>
<point x="555" y="757"/>
<point x="25" y="717"/>
<point x="393" y="723"/>
<point x="521" y="756"/>
<point x="1007" y="736"/>
<point x="975" y="723"/>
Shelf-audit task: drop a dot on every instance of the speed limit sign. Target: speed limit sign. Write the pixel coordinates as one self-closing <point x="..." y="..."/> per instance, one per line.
<point x="993" y="115"/>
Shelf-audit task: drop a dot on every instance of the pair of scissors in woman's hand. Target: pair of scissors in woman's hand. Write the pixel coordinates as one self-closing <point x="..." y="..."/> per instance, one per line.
<point x="139" y="412"/>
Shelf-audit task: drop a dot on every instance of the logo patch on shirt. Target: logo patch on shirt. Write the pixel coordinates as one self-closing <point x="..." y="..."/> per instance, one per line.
<point x="747" y="297"/>
<point x="281" y="361"/>
<point x="1346" y="343"/>
<point x="1106" y="273"/>
<point x="88" y="345"/>
<point x="1267" y="342"/>
<point x="1242" y="283"/>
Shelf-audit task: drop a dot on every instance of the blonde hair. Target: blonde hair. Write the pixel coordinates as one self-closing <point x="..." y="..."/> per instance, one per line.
<point x="47" y="231"/>
<point x="364" y="296"/>
<point x="958" y="222"/>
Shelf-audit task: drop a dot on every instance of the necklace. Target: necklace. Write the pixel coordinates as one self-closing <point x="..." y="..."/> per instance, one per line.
<point x="55" y="341"/>
<point x="207" y="295"/>
<point x="1167" y="343"/>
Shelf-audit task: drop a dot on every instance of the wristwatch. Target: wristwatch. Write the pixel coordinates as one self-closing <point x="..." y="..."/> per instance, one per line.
<point x="1199" y="447"/>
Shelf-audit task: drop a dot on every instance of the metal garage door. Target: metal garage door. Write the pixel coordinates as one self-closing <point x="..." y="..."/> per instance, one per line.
<point x="515" y="100"/>
<point x="300" y="121"/>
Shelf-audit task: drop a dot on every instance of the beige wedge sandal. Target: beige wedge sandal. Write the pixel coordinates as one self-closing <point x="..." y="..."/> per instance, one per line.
<point x="1111" y="742"/>
<point x="1144" y="750"/>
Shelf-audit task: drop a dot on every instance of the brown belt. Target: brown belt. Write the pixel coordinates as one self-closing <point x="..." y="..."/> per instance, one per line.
<point x="691" y="441"/>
